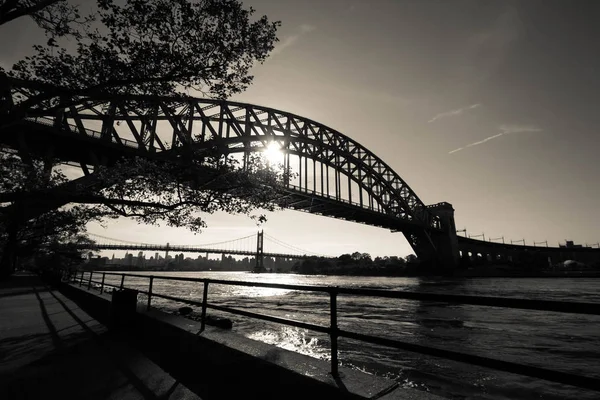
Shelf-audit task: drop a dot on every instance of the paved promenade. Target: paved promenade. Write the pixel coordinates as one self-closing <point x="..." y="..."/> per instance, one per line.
<point x="50" y="348"/>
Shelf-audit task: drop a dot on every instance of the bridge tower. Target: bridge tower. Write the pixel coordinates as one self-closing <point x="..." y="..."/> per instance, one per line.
<point x="446" y="241"/>
<point x="259" y="267"/>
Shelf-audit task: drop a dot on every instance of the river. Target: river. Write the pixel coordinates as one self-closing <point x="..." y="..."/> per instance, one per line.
<point x="565" y="342"/>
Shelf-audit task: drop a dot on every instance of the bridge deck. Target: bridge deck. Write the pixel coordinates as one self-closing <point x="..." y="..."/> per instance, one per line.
<point x="78" y="148"/>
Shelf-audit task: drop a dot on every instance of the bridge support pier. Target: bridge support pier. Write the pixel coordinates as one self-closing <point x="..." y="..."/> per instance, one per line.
<point x="438" y="249"/>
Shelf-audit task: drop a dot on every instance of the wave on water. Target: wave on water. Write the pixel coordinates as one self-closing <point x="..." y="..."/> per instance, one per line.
<point x="293" y="339"/>
<point x="560" y="341"/>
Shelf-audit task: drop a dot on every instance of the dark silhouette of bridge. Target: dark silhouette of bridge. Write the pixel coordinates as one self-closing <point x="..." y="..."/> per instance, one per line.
<point x="251" y="245"/>
<point x="335" y="176"/>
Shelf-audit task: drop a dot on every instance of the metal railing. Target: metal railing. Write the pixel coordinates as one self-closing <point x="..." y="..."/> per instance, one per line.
<point x="88" y="132"/>
<point x="335" y="332"/>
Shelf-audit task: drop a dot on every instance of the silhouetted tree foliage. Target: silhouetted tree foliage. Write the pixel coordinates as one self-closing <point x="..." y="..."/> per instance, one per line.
<point x="149" y="191"/>
<point x="354" y="264"/>
<point x="43" y="236"/>
<point x="156" y="47"/>
<point x="135" y="47"/>
<point x="175" y="193"/>
<point x="411" y="258"/>
<point x="58" y="18"/>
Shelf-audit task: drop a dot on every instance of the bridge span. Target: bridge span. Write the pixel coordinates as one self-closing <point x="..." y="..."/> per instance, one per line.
<point x="479" y="251"/>
<point x="251" y="245"/>
<point x="193" y="249"/>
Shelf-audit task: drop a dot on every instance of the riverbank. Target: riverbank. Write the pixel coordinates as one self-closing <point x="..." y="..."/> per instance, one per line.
<point x="51" y="347"/>
<point x="476" y="272"/>
<point x="562" y="342"/>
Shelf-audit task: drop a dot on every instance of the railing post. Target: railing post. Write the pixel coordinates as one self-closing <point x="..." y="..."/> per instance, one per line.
<point x="150" y="293"/>
<point x="90" y="281"/>
<point x="102" y="285"/>
<point x="333" y="332"/>
<point x="122" y="281"/>
<point x="81" y="279"/>
<point x="204" y="300"/>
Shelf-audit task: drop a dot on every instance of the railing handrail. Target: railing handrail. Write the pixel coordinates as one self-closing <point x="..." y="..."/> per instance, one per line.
<point x="582" y="381"/>
<point x="90" y="133"/>
<point x="489" y="301"/>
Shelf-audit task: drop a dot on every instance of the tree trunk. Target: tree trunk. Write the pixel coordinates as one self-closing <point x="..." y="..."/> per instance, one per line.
<point x="9" y="252"/>
<point x="8" y="256"/>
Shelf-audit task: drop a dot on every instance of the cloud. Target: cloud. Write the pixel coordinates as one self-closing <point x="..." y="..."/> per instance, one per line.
<point x="504" y="130"/>
<point x="455" y="150"/>
<point x="484" y="52"/>
<point x="487" y="139"/>
<point x="290" y="40"/>
<point x="453" y="112"/>
<point x="306" y="28"/>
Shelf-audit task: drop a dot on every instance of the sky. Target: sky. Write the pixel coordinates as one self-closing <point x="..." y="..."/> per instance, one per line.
<point x="491" y="106"/>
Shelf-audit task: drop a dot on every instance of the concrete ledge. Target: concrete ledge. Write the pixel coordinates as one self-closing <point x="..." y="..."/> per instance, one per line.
<point x="222" y="364"/>
<point x="264" y="370"/>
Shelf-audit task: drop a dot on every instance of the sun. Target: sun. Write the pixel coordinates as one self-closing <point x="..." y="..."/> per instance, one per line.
<point x="273" y="153"/>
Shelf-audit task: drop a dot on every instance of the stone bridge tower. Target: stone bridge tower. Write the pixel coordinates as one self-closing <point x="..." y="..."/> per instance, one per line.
<point x="446" y="241"/>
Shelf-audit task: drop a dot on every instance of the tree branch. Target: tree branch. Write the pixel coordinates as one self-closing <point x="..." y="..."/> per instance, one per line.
<point x="7" y="16"/>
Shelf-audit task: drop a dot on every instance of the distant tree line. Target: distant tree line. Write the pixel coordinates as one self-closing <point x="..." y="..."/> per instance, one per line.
<point x="358" y="264"/>
<point x="179" y="263"/>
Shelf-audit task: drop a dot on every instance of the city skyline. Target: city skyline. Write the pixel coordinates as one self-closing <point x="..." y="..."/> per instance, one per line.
<point x="488" y="106"/>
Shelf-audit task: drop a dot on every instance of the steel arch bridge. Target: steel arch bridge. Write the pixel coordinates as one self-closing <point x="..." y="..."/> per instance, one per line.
<point x="336" y="175"/>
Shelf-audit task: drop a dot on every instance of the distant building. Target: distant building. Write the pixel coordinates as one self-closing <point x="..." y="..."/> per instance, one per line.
<point x="570" y="245"/>
<point x="140" y="259"/>
<point x="98" y="261"/>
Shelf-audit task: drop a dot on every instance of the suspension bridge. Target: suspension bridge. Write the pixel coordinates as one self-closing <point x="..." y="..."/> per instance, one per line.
<point x="250" y="245"/>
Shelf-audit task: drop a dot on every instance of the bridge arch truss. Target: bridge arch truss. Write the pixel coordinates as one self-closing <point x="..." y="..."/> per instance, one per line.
<point x="328" y="164"/>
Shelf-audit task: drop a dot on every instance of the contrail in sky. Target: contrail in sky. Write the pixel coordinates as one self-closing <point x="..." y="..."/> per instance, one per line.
<point x="504" y="130"/>
<point x="290" y="40"/>
<point x="453" y="112"/>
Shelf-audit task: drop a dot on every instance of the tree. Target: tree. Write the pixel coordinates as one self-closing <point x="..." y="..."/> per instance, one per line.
<point x="152" y="47"/>
<point x="411" y="258"/>
<point x="42" y="236"/>
<point x="62" y="248"/>
<point x="175" y="193"/>
<point x="345" y="259"/>
<point x="57" y="17"/>
<point x="143" y="47"/>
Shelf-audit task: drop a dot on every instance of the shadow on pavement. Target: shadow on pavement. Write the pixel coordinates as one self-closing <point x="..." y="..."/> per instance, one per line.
<point x="79" y="363"/>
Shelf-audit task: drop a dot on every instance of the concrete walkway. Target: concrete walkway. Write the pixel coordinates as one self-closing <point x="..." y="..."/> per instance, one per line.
<point x="50" y="348"/>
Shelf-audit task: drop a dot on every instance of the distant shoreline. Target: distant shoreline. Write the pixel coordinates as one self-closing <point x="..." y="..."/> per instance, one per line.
<point x="472" y="273"/>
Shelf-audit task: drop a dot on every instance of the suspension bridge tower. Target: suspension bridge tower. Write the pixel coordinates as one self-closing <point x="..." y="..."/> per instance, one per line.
<point x="259" y="267"/>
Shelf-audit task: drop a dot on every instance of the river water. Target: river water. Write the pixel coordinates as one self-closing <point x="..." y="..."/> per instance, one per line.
<point x="565" y="342"/>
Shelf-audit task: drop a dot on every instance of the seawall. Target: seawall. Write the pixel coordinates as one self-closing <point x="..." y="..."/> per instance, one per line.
<point x="217" y="363"/>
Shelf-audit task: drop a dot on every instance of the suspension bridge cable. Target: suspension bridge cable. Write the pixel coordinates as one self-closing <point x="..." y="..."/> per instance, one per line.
<point x="289" y="246"/>
<point x="113" y="239"/>
<point x="292" y="247"/>
<point x="195" y="245"/>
